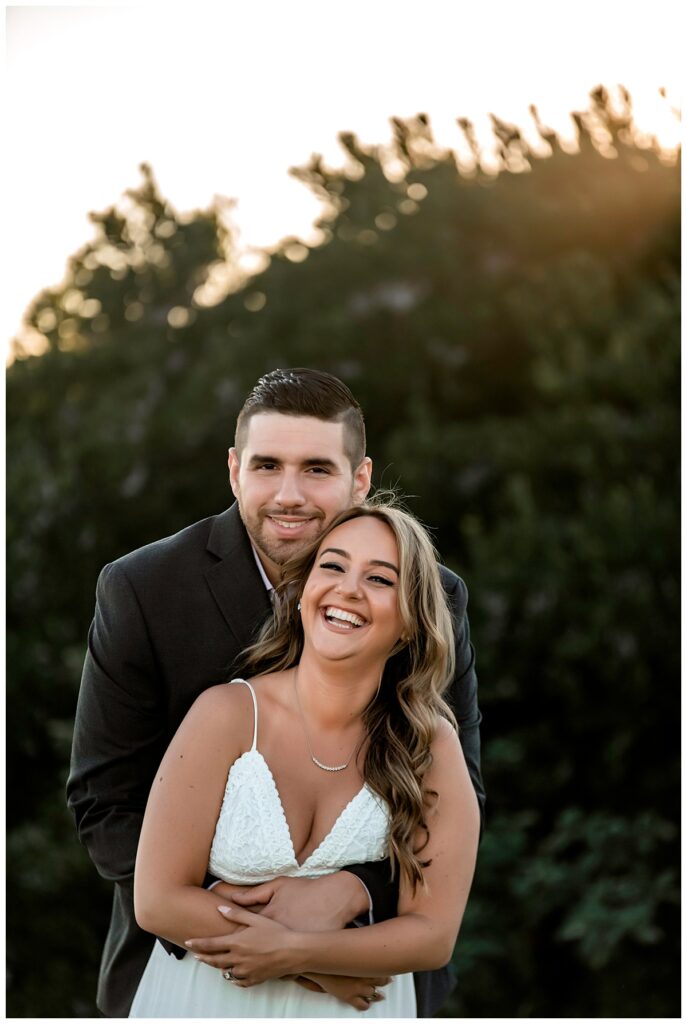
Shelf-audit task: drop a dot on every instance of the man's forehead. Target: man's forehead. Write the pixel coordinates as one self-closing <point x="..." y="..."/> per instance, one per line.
<point x="307" y="436"/>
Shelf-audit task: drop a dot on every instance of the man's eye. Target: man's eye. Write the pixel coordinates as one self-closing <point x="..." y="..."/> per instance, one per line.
<point x="331" y="565"/>
<point x="267" y="465"/>
<point x="319" y="470"/>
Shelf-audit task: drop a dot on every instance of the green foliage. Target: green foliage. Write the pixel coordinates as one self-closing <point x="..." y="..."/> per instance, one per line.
<point x="514" y="341"/>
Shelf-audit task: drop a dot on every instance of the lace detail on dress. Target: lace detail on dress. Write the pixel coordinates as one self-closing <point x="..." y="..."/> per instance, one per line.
<point x="252" y="842"/>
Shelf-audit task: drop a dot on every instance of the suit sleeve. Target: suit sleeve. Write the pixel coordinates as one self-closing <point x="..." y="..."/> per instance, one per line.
<point x="462" y="696"/>
<point x="118" y="733"/>
<point x="462" y="692"/>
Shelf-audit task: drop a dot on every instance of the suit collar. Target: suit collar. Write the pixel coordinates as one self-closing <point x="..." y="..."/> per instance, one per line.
<point x="234" y="580"/>
<point x="228" y="533"/>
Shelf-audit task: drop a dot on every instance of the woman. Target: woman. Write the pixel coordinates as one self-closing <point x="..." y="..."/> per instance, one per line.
<point x="343" y="752"/>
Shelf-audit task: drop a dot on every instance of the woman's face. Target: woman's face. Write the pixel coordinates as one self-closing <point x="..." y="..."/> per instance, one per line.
<point x="350" y="606"/>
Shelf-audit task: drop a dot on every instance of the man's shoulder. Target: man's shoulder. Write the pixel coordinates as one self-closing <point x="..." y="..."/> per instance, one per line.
<point x="451" y="581"/>
<point x="206" y="539"/>
<point x="456" y="590"/>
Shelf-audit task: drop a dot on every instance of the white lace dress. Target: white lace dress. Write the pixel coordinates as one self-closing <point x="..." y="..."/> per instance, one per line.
<point x="252" y="844"/>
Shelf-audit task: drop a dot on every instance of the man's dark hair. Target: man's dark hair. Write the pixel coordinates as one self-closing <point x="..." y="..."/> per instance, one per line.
<point x="304" y="392"/>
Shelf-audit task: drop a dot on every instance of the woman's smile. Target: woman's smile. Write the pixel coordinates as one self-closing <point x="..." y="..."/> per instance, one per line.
<point x="339" y="618"/>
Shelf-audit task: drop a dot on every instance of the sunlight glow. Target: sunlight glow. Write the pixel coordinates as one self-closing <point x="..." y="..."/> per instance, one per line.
<point x="233" y="98"/>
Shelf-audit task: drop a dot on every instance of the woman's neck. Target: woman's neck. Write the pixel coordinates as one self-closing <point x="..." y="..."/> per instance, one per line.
<point x="334" y="695"/>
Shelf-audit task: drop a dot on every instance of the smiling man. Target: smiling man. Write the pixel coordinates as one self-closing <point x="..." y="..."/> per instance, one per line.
<point x="291" y="475"/>
<point x="173" y="618"/>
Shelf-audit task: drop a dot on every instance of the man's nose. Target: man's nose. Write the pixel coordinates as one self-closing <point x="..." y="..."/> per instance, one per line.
<point x="290" y="492"/>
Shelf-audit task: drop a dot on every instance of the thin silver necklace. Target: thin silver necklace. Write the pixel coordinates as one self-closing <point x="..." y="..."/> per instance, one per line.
<point x="324" y="767"/>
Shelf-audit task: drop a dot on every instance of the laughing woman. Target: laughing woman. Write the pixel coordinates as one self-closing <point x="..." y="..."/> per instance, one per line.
<point x="339" y="750"/>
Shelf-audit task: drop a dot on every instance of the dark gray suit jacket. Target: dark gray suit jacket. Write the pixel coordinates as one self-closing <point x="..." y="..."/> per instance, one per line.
<point x="171" y="619"/>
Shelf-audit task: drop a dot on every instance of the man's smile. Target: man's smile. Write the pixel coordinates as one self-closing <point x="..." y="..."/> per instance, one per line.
<point x="290" y="524"/>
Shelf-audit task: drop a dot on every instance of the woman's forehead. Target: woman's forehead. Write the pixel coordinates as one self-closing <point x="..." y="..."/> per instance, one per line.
<point x="364" y="536"/>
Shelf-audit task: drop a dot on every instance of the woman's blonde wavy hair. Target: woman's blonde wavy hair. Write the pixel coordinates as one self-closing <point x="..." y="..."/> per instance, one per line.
<point x="402" y="721"/>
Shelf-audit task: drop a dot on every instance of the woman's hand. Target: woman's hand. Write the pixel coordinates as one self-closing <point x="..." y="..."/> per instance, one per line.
<point x="259" y="950"/>
<point x="260" y="941"/>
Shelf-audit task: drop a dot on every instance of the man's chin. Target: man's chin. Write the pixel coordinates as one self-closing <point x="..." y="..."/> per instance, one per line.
<point x="281" y="552"/>
<point x="278" y="549"/>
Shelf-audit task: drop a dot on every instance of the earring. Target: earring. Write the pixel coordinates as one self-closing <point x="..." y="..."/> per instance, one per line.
<point x="298" y="606"/>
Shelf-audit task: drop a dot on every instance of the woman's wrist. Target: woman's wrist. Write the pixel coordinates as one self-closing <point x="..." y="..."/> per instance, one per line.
<point x="298" y="950"/>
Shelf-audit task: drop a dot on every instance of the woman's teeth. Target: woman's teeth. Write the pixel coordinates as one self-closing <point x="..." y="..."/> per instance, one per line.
<point x="342" y="618"/>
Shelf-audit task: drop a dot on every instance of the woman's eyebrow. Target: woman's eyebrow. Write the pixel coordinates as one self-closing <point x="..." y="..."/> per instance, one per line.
<point x="337" y="551"/>
<point x="389" y="565"/>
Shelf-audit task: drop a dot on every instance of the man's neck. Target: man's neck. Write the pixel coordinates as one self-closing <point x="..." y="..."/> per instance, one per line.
<point x="270" y="573"/>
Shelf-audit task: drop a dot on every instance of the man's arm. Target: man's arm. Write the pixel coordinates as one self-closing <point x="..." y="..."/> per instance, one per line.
<point x="117" y="747"/>
<point x="462" y="692"/>
<point x="118" y="733"/>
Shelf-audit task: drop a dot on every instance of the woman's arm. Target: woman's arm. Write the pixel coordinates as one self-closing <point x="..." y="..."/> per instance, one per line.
<point x="179" y="825"/>
<point x="423" y="935"/>
<point x="181" y="815"/>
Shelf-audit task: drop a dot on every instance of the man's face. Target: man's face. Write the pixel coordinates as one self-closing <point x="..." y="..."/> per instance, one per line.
<point x="293" y="477"/>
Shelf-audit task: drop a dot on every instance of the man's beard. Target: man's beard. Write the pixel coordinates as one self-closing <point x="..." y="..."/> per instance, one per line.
<point x="280" y="551"/>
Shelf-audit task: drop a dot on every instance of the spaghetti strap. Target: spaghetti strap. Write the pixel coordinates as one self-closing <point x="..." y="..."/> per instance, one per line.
<point x="255" y="711"/>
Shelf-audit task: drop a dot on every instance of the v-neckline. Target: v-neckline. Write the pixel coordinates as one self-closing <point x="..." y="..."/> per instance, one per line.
<point x="287" y="827"/>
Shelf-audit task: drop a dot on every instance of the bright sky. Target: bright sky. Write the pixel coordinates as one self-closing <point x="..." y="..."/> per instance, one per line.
<point x="222" y="100"/>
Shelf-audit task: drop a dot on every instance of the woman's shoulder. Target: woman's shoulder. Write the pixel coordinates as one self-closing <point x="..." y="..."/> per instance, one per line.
<point x="233" y="700"/>
<point x="222" y="696"/>
<point x="223" y="708"/>
<point x="448" y="773"/>
<point x="445" y="743"/>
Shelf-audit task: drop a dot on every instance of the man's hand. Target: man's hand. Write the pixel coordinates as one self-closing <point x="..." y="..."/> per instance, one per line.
<point x="359" y="993"/>
<point x="307" y="904"/>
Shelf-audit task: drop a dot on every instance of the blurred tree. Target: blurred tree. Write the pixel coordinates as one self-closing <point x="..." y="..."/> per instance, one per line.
<point x="514" y="341"/>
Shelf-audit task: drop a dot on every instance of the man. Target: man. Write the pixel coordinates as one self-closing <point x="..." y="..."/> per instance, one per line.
<point x="175" y="616"/>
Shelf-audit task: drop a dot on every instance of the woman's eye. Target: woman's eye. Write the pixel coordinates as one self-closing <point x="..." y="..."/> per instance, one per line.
<point x="382" y="579"/>
<point x="331" y="565"/>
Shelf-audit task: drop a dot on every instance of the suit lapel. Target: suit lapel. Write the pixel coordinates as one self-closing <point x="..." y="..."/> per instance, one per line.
<point x="234" y="580"/>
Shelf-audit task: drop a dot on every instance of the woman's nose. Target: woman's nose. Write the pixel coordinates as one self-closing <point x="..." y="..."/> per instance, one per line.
<point x="349" y="586"/>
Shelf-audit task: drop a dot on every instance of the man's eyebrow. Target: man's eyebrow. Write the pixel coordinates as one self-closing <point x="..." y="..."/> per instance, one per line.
<point x="325" y="461"/>
<point x="257" y="460"/>
<point x="373" y="561"/>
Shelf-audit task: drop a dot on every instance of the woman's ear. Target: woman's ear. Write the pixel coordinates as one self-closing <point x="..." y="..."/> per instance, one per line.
<point x="399" y="645"/>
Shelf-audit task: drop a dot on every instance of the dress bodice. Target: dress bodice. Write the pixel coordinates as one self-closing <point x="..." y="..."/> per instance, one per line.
<point x="252" y="841"/>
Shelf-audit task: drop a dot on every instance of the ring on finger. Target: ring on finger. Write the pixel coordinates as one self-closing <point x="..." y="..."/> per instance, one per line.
<point x="228" y="974"/>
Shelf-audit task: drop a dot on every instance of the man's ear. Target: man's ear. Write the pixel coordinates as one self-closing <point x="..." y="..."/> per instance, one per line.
<point x="234" y="467"/>
<point x="362" y="481"/>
